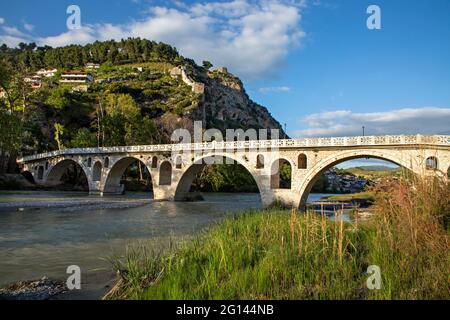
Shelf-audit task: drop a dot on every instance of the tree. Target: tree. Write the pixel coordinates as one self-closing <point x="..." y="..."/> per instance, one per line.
<point x="123" y="122"/>
<point x="11" y="130"/>
<point x="121" y="113"/>
<point x="84" y="139"/>
<point x="8" y="83"/>
<point x="59" y="131"/>
<point x="122" y="105"/>
<point x="106" y="67"/>
<point x="207" y="65"/>
<point x="141" y="131"/>
<point x="59" y="98"/>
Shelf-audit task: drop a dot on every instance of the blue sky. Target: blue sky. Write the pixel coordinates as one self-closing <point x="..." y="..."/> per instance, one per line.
<point x="313" y="63"/>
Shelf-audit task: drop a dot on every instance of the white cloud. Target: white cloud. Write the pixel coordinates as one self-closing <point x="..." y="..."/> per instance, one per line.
<point x="427" y="120"/>
<point x="13" y="31"/>
<point x="266" y="90"/>
<point x="2" y="20"/>
<point x="78" y="36"/>
<point x="12" y="36"/>
<point x="28" y="27"/>
<point x="249" y="37"/>
<point x="12" y="41"/>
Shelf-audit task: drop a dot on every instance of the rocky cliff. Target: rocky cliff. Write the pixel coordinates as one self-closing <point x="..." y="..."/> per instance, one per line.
<point x="224" y="103"/>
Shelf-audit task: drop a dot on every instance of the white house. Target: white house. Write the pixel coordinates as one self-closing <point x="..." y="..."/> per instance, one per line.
<point x="50" y="72"/>
<point x="74" y="76"/>
<point x="91" y="65"/>
<point x="34" y="81"/>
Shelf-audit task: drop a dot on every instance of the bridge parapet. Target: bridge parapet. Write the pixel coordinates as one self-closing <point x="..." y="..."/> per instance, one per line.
<point x="386" y="140"/>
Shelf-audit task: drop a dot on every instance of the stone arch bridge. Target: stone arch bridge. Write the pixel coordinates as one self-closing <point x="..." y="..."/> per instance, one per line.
<point x="173" y="166"/>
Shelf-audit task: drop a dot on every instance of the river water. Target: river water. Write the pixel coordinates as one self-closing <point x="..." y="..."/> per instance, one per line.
<point x="42" y="233"/>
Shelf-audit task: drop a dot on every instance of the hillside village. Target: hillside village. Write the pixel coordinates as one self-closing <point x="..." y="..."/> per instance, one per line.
<point x="343" y="183"/>
<point x="355" y="179"/>
<point x="83" y="78"/>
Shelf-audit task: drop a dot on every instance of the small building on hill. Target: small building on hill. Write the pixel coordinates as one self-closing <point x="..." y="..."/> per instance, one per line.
<point x="34" y="81"/>
<point x="91" y="65"/>
<point x="74" y="76"/>
<point x="48" y="73"/>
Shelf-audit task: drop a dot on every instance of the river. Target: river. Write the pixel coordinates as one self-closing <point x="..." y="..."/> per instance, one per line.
<point x="42" y="233"/>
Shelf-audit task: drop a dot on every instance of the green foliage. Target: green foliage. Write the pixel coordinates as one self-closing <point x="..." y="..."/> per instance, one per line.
<point x="122" y="105"/>
<point x="5" y="75"/>
<point x="141" y="131"/>
<point x="124" y="123"/>
<point x="224" y="178"/>
<point x="59" y="131"/>
<point x="107" y="67"/>
<point x="11" y="130"/>
<point x="131" y="50"/>
<point x="84" y="139"/>
<point x="321" y="185"/>
<point x="286" y="172"/>
<point x="207" y="65"/>
<point x="60" y="98"/>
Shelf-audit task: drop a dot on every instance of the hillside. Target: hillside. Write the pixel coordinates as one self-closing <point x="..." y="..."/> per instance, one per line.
<point x="375" y="168"/>
<point x="137" y="95"/>
<point x="374" y="173"/>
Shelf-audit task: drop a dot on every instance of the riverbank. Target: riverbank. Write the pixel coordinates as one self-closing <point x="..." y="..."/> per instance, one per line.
<point x="277" y="254"/>
<point x="361" y="199"/>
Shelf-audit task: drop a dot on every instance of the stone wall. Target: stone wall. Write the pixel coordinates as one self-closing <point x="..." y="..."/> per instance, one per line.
<point x="197" y="87"/>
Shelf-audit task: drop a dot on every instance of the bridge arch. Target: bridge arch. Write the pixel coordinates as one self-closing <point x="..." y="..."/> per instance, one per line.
<point x="276" y="181"/>
<point x="260" y="161"/>
<point x="154" y="162"/>
<point x="56" y="172"/>
<point x="188" y="176"/>
<point x="319" y="168"/>
<point x="431" y="163"/>
<point x="302" y="161"/>
<point x="165" y="173"/>
<point x="97" y="171"/>
<point x="114" y="175"/>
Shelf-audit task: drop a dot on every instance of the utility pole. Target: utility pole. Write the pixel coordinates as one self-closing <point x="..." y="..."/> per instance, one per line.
<point x="363" y="130"/>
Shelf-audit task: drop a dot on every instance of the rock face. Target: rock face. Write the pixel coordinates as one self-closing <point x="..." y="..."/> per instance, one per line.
<point x="226" y="105"/>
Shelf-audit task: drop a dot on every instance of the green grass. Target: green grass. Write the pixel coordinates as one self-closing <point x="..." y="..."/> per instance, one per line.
<point x="279" y="254"/>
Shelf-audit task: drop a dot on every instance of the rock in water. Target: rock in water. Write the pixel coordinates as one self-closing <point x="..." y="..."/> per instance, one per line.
<point x="42" y="289"/>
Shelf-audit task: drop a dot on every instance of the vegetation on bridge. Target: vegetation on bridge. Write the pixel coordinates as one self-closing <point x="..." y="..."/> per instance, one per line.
<point x="276" y="254"/>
